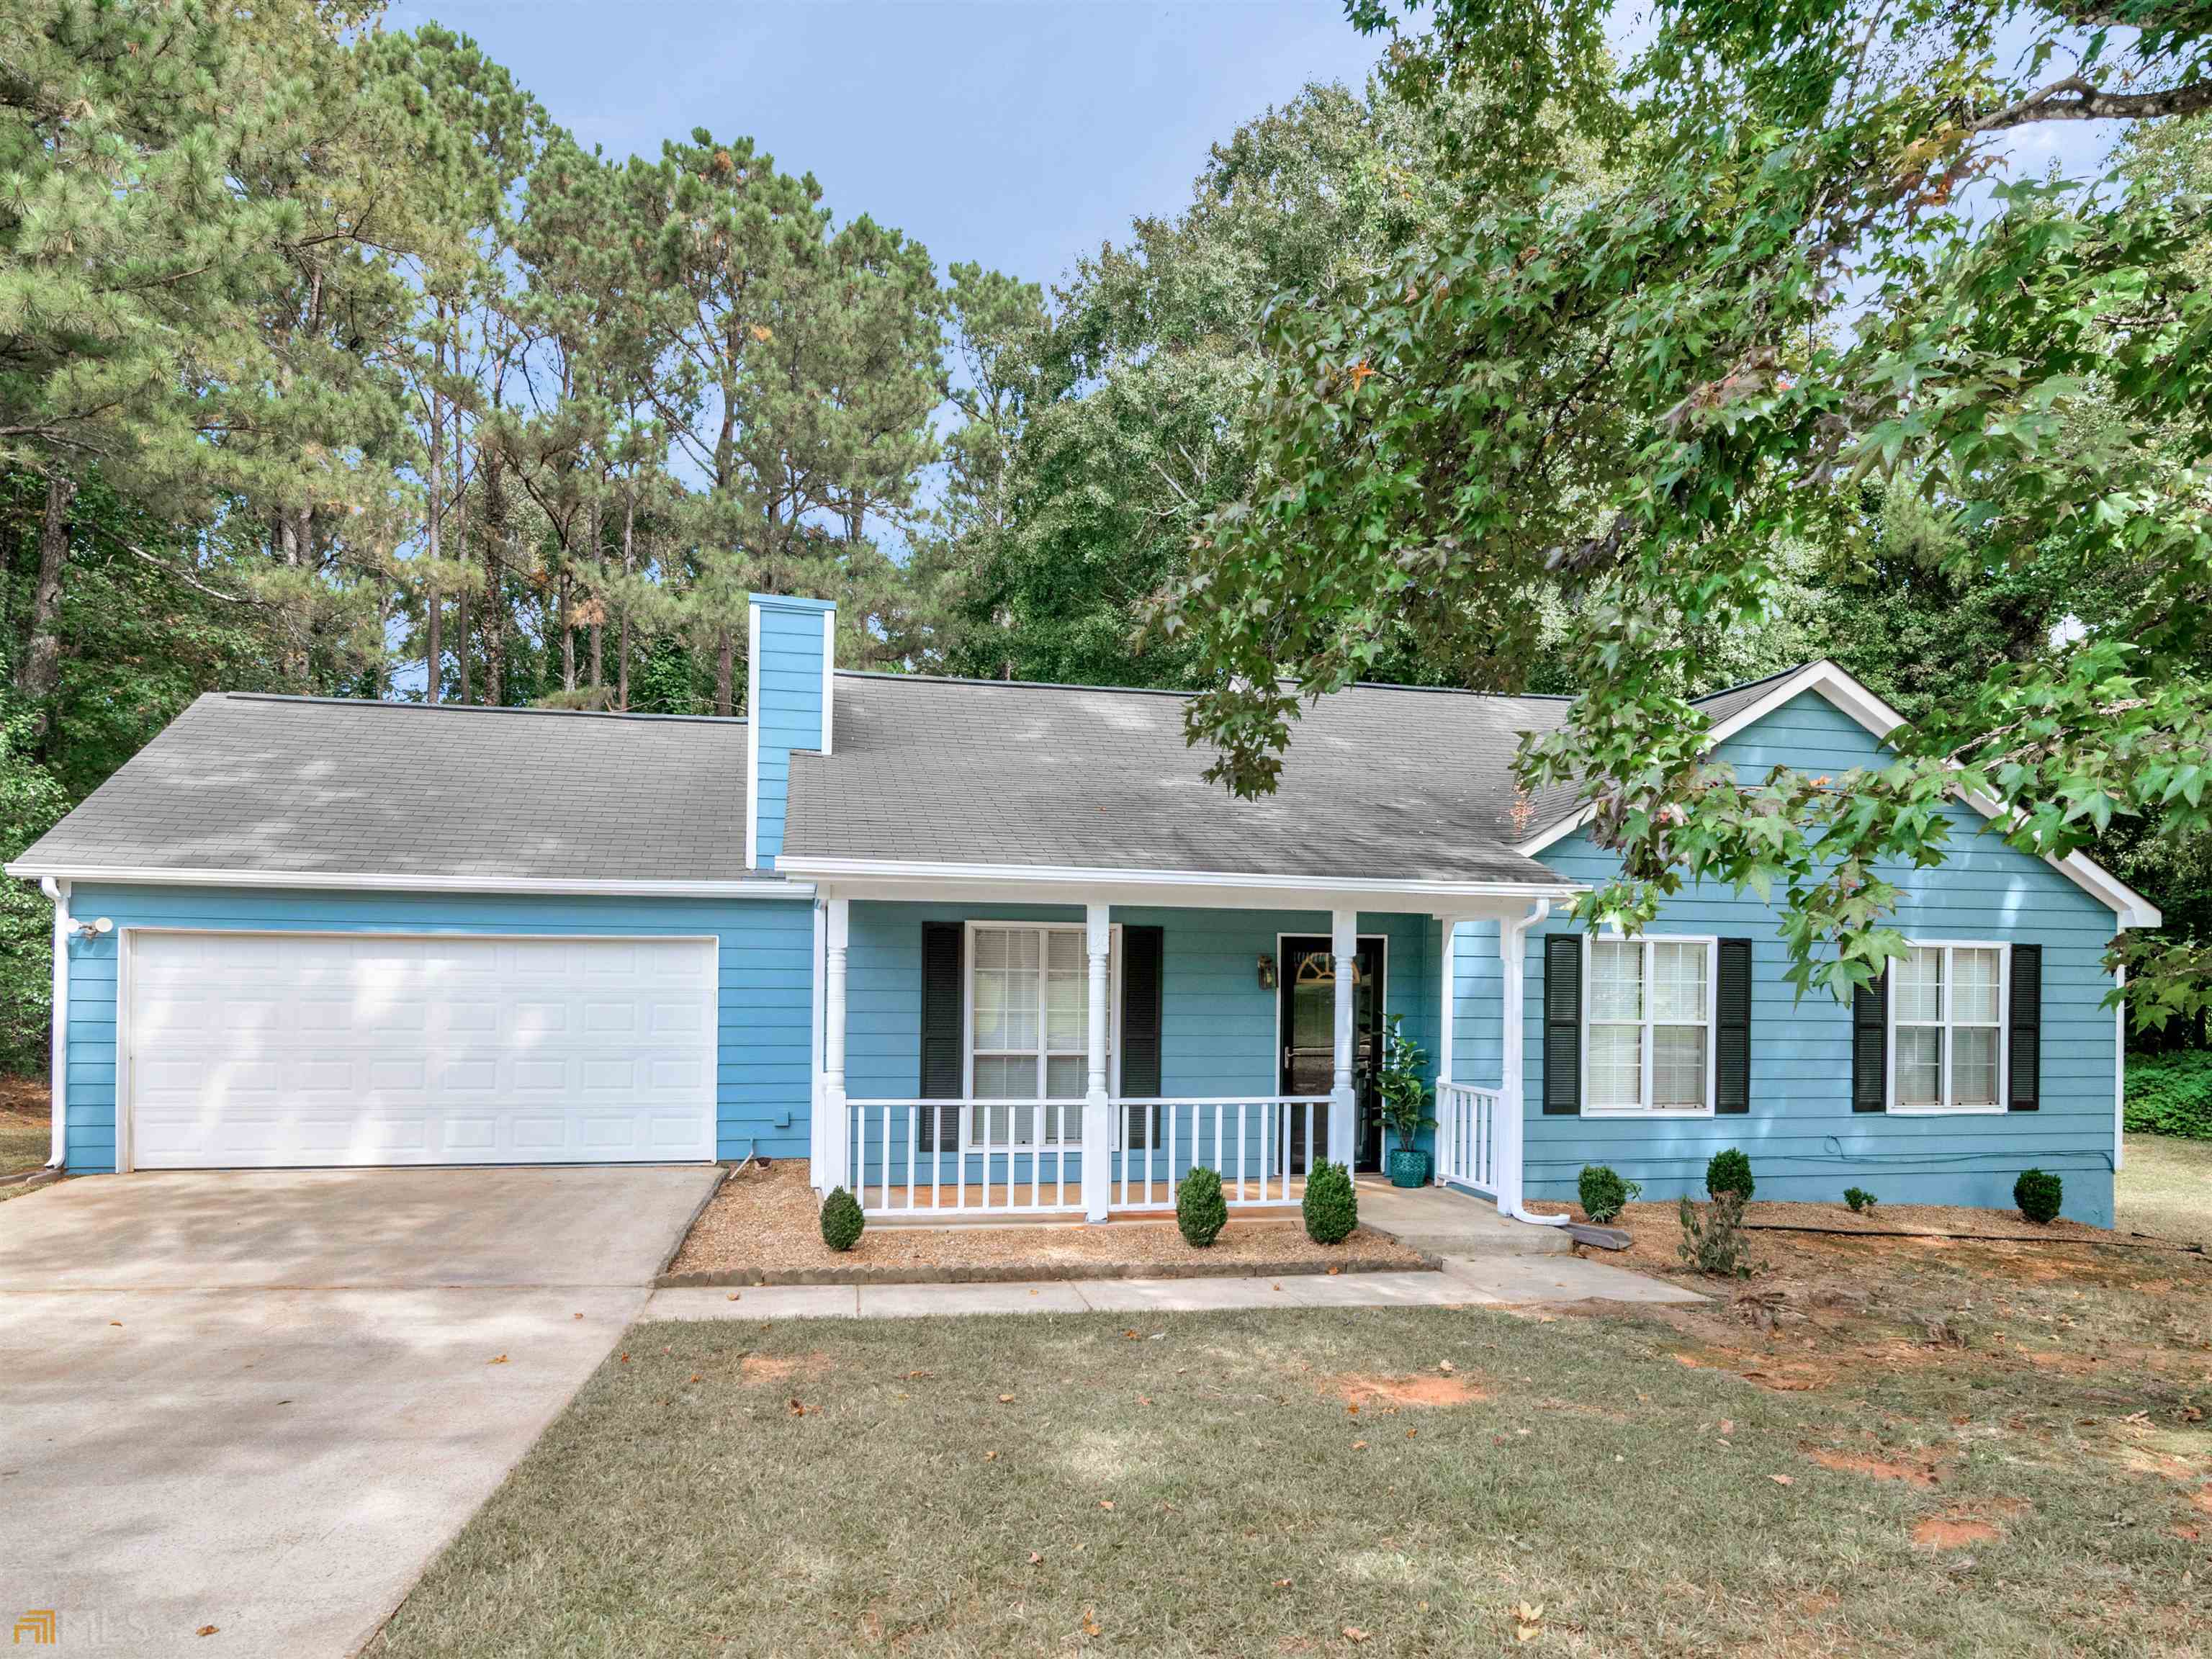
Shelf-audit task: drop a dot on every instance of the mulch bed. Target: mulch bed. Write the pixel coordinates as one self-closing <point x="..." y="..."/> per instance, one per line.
<point x="761" y="1227"/>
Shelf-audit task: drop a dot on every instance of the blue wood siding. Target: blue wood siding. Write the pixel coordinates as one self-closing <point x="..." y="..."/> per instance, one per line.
<point x="1217" y="1027"/>
<point x="1804" y="1140"/>
<point x="788" y="680"/>
<point x="766" y="959"/>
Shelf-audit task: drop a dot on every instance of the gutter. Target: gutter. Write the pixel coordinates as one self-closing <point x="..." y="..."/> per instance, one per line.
<point x="58" y="891"/>
<point x="1515" y="948"/>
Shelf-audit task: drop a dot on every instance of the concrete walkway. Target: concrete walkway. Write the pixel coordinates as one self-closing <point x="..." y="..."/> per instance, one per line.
<point x="1478" y="1281"/>
<point x="262" y="1402"/>
<point x="1442" y="1221"/>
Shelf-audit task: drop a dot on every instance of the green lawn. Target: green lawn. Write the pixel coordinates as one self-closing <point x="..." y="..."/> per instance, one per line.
<point x="2166" y="1187"/>
<point x="1197" y="1483"/>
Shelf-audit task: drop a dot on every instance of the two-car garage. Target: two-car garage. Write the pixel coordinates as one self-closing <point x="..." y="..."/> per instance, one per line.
<point x="241" y="1049"/>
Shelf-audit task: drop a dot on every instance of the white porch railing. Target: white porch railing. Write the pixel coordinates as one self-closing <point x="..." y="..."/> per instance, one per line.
<point x="923" y="1157"/>
<point x="1470" y="1127"/>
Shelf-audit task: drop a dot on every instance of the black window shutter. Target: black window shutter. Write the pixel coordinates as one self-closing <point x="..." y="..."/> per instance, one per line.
<point x="1732" y="1028"/>
<point x="1562" y="1024"/>
<point x="2024" y="1042"/>
<point x="1143" y="955"/>
<point x="1870" y="1045"/>
<point x="942" y="945"/>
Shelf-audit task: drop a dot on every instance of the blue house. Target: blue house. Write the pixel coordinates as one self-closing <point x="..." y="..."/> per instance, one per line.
<point x="995" y="948"/>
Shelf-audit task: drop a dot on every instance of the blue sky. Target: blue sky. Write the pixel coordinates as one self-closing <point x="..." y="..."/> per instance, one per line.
<point x="1020" y="133"/>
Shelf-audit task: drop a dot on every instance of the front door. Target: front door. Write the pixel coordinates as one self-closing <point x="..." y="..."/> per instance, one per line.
<point x="1308" y="990"/>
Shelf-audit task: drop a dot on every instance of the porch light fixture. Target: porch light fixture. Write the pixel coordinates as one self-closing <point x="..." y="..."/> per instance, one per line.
<point x="1267" y="971"/>
<point x="93" y="928"/>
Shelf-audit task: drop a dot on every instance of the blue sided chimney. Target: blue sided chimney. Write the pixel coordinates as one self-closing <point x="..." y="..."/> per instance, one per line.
<point x="791" y="650"/>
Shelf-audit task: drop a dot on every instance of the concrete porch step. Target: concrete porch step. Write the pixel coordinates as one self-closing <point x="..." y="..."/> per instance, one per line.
<point x="1442" y="1221"/>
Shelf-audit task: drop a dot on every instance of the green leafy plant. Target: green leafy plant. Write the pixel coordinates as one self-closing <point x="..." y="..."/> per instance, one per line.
<point x="2037" y="1192"/>
<point x="1713" y="1239"/>
<point x="1603" y="1193"/>
<point x="1859" y="1199"/>
<point x="1402" y="1099"/>
<point x="2171" y="1095"/>
<point x="1728" y="1172"/>
<point x="1332" y="1209"/>
<point x="842" y="1220"/>
<point x="1201" y="1210"/>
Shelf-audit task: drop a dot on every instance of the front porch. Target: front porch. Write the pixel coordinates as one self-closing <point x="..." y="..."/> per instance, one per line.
<point x="989" y="1058"/>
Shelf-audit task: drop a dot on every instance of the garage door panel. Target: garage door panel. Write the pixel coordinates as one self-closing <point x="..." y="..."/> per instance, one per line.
<point x="325" y="1050"/>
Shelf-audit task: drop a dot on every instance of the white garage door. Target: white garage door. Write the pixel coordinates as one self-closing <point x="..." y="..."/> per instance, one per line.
<point x="284" y="1050"/>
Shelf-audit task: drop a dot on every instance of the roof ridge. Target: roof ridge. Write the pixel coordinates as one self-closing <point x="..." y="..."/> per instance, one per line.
<point x="1764" y="679"/>
<point x="395" y="705"/>
<point x="1171" y="691"/>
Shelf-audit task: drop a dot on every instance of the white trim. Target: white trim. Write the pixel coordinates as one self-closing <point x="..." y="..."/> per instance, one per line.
<point x="57" y="1042"/>
<point x="969" y="1141"/>
<point x="951" y="876"/>
<point x="2120" y="1072"/>
<point x="817" y="1119"/>
<point x="125" y="1059"/>
<point x="829" y="672"/>
<point x="320" y="881"/>
<point x="2004" y="1102"/>
<point x="1878" y="718"/>
<point x="753" y="735"/>
<point x="1646" y="1055"/>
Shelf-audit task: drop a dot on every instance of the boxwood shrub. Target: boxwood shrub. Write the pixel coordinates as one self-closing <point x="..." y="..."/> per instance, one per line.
<point x="2037" y="1192"/>
<point x="2171" y="1095"/>
<point x="1332" y="1210"/>
<point x="1201" y="1210"/>
<point x="1603" y="1193"/>
<point x="1728" y="1172"/>
<point x="842" y="1220"/>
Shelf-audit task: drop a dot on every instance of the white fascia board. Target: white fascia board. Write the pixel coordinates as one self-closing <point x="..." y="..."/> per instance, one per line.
<point x="314" y="880"/>
<point x="871" y="877"/>
<point x="1842" y="691"/>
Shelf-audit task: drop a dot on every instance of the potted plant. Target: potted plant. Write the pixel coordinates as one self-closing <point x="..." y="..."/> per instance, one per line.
<point x="1403" y="1100"/>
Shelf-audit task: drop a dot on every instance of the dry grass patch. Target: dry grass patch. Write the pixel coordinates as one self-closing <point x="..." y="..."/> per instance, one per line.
<point x="26" y="1127"/>
<point x="765" y="1221"/>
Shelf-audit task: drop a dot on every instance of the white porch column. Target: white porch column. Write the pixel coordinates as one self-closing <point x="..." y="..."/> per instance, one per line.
<point x="1513" y="954"/>
<point x="836" y="1142"/>
<point x="1343" y="1102"/>
<point x="1447" y="1010"/>
<point x="1097" y="1106"/>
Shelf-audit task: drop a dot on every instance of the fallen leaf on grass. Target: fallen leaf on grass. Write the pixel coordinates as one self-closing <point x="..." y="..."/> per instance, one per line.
<point x="1728" y="1425"/>
<point x="1359" y="1445"/>
<point x="798" y="1410"/>
<point x="207" y="1630"/>
<point x="1005" y="1400"/>
<point x="1091" y="1625"/>
<point x="1781" y="1479"/>
<point x="1527" y="1621"/>
<point x="1352" y="1632"/>
<point x="990" y="1457"/>
<point x="1035" y="1559"/>
<point x="1105" y="1502"/>
<point x="1282" y="1583"/>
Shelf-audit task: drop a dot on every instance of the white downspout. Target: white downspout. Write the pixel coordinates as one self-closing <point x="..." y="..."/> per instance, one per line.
<point x="1513" y="945"/>
<point x="58" y="891"/>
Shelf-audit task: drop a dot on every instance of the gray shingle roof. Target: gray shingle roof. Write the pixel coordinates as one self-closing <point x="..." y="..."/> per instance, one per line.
<point x="1380" y="783"/>
<point x="324" y="786"/>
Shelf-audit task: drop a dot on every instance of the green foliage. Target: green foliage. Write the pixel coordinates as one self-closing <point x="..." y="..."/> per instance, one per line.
<point x="2038" y="1193"/>
<point x="1603" y="1193"/>
<point x="1401" y="1095"/>
<point x="842" y="1220"/>
<point x="30" y="801"/>
<point x="1640" y="391"/>
<point x="1331" y="1207"/>
<point x="1201" y="1212"/>
<point x="1713" y="1240"/>
<point x="1859" y="1199"/>
<point x="1729" y="1171"/>
<point x="2171" y="1094"/>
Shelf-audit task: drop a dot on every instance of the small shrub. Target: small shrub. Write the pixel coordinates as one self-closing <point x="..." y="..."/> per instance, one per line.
<point x="1728" y="1172"/>
<point x="842" y="1220"/>
<point x="2037" y="1192"/>
<point x="1859" y="1199"/>
<point x="1603" y="1193"/>
<point x="1332" y="1210"/>
<point x="1201" y="1210"/>
<point x="2171" y="1095"/>
<point x="1713" y="1239"/>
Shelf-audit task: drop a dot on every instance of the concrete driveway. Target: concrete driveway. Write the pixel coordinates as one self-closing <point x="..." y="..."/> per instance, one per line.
<point x="262" y="1401"/>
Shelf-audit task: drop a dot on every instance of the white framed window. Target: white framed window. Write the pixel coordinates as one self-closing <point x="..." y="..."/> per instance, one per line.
<point x="1028" y="1032"/>
<point x="1648" y="1024"/>
<point x="1947" y="1017"/>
